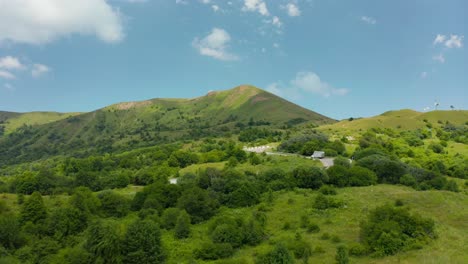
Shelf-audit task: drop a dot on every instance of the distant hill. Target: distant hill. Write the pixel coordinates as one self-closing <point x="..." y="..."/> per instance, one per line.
<point x="138" y="124"/>
<point x="405" y="119"/>
<point x="11" y="121"/>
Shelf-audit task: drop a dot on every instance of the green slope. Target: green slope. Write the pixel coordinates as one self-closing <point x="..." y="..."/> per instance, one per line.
<point x="137" y="124"/>
<point x="11" y="121"/>
<point x="405" y="119"/>
<point x="445" y="208"/>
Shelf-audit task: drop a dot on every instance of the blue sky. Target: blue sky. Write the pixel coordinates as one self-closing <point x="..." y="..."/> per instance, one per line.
<point x="339" y="58"/>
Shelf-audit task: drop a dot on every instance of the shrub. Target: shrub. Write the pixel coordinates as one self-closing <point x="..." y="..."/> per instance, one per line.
<point x="387" y="170"/>
<point x="362" y="153"/>
<point x="142" y="243"/>
<point x="342" y="161"/>
<point x="313" y="228"/>
<point x="327" y="190"/>
<point x="11" y="236"/>
<point x="408" y="180"/>
<point x="182" y="227"/>
<point x="33" y="209"/>
<point x="323" y="202"/>
<point x="359" y="176"/>
<point x="304" y="221"/>
<point x="325" y="236"/>
<point x="330" y="152"/>
<point x="341" y="255"/>
<point x="399" y="202"/>
<point x="227" y="233"/>
<point x="252" y="233"/>
<point x="280" y="254"/>
<point x="357" y="250"/>
<point x="436" y="148"/>
<point x="309" y="177"/>
<point x="113" y="204"/>
<point x="169" y="218"/>
<point x="212" y="251"/>
<point x="198" y="204"/>
<point x="390" y="229"/>
<point x="300" y="248"/>
<point x="319" y="249"/>
<point x="451" y="186"/>
<point x="338" y="175"/>
<point x="335" y="239"/>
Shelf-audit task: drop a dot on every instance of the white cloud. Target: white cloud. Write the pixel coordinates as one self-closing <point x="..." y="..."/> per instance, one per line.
<point x="215" y="8"/>
<point x="308" y="82"/>
<point x="181" y="2"/>
<point x="423" y="75"/>
<point x="11" y="63"/>
<point x="439" y="39"/>
<point x="369" y="20"/>
<point x="39" y="70"/>
<point x="7" y="75"/>
<point x="205" y="1"/>
<point x="454" y="41"/>
<point x="276" y="45"/>
<point x="311" y="82"/>
<point x="292" y="9"/>
<point x="256" y="6"/>
<point x="215" y="45"/>
<point x="440" y="58"/>
<point x="275" y="88"/>
<point x="276" y="21"/>
<point x="38" y="22"/>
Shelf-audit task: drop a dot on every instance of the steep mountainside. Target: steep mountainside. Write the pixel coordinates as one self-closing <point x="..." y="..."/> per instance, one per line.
<point x="403" y="119"/>
<point x="137" y="124"/>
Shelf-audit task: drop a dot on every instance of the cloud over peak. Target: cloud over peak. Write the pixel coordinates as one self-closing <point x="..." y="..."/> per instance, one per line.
<point x="215" y="45"/>
<point x="311" y="82"/>
<point x="308" y="82"/>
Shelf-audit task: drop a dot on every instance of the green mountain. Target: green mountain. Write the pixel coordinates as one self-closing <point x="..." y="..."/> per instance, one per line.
<point x="138" y="124"/>
<point x="405" y="119"/>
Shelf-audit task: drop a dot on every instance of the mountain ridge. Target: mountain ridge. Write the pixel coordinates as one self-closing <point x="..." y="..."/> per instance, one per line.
<point x="155" y="121"/>
<point x="403" y="119"/>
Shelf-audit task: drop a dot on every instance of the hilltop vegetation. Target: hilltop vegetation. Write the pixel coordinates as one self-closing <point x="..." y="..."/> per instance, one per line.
<point x="176" y="191"/>
<point x="405" y="119"/>
<point x="10" y="121"/>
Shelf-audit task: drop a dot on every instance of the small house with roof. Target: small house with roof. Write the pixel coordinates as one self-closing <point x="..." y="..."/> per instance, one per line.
<point x="318" y="155"/>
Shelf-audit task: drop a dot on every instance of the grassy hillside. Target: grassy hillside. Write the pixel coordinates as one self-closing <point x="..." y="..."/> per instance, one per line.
<point x="447" y="209"/>
<point x="443" y="207"/>
<point x="137" y="124"/>
<point x="12" y="121"/>
<point x="405" y="119"/>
